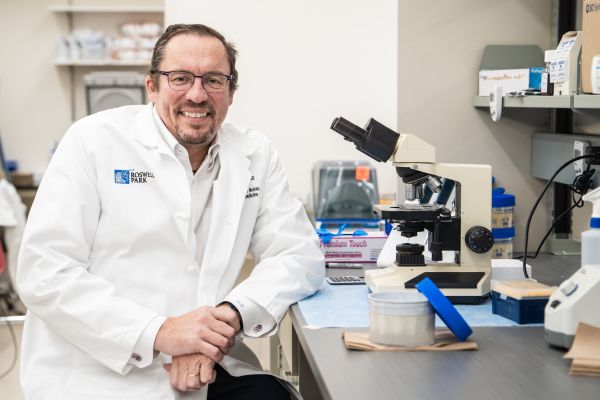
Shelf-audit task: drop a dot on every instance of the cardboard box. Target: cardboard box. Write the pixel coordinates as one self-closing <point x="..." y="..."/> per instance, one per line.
<point x="354" y="249"/>
<point x="564" y="62"/>
<point x="22" y="179"/>
<point x="590" y="26"/>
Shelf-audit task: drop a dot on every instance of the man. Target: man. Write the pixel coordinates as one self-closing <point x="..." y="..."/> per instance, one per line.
<point x="138" y="234"/>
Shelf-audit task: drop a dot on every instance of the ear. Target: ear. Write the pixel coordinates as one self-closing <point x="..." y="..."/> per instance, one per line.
<point x="151" y="89"/>
<point x="231" y="93"/>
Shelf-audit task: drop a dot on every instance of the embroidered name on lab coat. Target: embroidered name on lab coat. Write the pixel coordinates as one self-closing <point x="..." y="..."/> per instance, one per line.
<point x="253" y="191"/>
<point x="128" y="176"/>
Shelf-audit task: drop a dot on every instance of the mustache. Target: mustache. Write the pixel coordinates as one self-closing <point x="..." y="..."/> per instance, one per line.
<point x="196" y="107"/>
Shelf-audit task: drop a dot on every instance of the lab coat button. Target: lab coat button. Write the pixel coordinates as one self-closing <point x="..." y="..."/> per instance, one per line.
<point x="181" y="215"/>
<point x="257" y="328"/>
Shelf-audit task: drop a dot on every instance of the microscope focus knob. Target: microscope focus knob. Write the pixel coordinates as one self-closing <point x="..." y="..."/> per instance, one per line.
<point x="479" y="239"/>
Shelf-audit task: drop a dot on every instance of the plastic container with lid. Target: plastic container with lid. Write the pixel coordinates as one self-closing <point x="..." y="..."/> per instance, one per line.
<point x="503" y="242"/>
<point x="401" y="319"/>
<point x="503" y="205"/>
<point x="590" y="239"/>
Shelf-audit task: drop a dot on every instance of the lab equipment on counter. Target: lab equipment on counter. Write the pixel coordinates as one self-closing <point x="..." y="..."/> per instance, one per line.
<point x="503" y="242"/>
<point x="503" y="205"/>
<point x="401" y="319"/>
<point x="522" y="301"/>
<point x="110" y="89"/>
<point x="446" y="311"/>
<point x="464" y="230"/>
<point x="345" y="280"/>
<point x="358" y="246"/>
<point x="579" y="296"/>
<point x="345" y="192"/>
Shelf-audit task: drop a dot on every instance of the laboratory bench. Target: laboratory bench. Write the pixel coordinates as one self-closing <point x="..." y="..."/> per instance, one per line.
<point x="511" y="363"/>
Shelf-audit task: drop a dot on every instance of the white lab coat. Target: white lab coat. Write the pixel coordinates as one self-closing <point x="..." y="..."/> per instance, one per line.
<point x="100" y="260"/>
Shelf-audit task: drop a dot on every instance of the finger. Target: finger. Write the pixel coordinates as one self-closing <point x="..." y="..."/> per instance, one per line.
<point x="223" y="328"/>
<point x="174" y="374"/>
<point x="226" y="314"/>
<point x="167" y="367"/>
<point x="194" y="381"/>
<point x="210" y="351"/>
<point x="207" y="372"/>
<point x="182" y="377"/>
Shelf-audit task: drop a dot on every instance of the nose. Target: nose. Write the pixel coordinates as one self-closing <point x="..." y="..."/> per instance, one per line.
<point x="196" y="93"/>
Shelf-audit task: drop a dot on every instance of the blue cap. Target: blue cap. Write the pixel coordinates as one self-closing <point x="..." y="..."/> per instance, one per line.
<point x="595" y="223"/>
<point x="447" y="312"/>
<point x="500" y="199"/>
<point x="503" y="233"/>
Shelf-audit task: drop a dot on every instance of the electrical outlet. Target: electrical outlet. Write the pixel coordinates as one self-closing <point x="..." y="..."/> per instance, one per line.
<point x="580" y="148"/>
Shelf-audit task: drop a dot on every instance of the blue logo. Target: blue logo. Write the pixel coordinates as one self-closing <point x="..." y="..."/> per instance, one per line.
<point x="122" y="176"/>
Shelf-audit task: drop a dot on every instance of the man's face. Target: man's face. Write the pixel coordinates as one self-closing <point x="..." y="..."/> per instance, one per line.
<point x="193" y="116"/>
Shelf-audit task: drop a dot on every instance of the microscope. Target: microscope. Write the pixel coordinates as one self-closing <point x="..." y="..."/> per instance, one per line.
<point x="463" y="230"/>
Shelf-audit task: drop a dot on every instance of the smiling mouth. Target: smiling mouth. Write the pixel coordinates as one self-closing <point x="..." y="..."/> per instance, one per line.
<point x="195" y="114"/>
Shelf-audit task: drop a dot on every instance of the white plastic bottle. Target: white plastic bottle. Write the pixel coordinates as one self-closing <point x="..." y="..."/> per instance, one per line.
<point x="590" y="239"/>
<point x="596" y="74"/>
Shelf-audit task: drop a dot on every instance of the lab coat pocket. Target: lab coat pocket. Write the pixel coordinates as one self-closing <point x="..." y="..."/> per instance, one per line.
<point x="96" y="380"/>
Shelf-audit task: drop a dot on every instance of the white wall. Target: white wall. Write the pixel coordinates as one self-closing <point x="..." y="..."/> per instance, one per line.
<point x="441" y="43"/>
<point x="302" y="63"/>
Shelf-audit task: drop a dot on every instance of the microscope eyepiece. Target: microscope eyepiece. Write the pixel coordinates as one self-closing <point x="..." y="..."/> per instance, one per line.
<point x="376" y="140"/>
<point x="349" y="131"/>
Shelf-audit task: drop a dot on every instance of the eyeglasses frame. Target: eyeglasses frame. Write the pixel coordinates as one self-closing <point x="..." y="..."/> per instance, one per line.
<point x="167" y="73"/>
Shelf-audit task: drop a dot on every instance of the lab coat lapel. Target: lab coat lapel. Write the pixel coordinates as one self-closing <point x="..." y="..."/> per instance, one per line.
<point x="169" y="172"/>
<point x="229" y="193"/>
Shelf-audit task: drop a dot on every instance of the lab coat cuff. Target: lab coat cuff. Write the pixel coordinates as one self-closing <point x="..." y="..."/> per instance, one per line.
<point x="256" y="321"/>
<point x="143" y="351"/>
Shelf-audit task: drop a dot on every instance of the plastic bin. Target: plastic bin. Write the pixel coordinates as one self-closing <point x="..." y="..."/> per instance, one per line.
<point x="529" y="310"/>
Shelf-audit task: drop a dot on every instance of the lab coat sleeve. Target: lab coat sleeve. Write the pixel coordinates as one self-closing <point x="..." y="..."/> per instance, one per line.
<point x="53" y="275"/>
<point x="256" y="321"/>
<point x="290" y="265"/>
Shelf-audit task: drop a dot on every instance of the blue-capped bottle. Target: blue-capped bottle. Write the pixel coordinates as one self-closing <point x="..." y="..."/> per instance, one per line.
<point x="590" y="239"/>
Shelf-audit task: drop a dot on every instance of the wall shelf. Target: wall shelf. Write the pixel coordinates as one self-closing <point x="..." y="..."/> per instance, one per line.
<point x="579" y="101"/>
<point x="103" y="63"/>
<point x="582" y="101"/>
<point x="105" y="9"/>
<point x="528" y="102"/>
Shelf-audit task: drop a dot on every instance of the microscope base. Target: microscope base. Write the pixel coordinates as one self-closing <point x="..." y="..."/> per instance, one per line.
<point x="462" y="285"/>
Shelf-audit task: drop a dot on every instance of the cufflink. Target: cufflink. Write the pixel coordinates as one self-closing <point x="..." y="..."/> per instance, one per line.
<point x="136" y="357"/>
<point x="257" y="328"/>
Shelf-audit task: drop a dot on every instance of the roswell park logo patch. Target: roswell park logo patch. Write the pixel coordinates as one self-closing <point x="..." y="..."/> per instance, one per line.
<point x="127" y="176"/>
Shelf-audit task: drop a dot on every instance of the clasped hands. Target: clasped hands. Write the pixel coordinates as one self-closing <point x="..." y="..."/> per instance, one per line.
<point x="196" y="341"/>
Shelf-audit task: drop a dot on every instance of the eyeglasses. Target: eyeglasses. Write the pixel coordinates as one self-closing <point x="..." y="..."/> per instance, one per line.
<point x="184" y="80"/>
